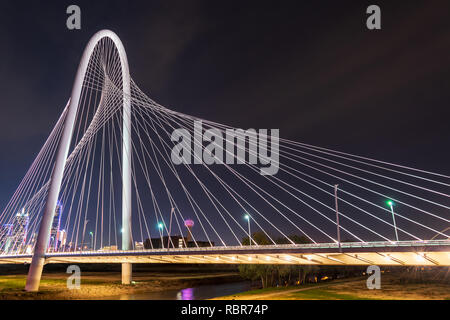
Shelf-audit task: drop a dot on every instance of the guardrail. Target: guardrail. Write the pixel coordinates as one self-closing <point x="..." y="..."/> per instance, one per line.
<point x="344" y="245"/>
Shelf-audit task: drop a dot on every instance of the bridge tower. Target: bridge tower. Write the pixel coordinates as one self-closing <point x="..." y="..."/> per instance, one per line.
<point x="38" y="260"/>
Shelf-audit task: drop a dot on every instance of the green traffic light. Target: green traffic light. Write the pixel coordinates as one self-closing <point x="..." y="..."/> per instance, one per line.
<point x="390" y="203"/>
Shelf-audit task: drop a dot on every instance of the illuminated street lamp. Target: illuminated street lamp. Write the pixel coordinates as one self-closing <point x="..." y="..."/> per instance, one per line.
<point x="390" y="203"/>
<point x="160" y="228"/>
<point x="91" y="234"/>
<point x="247" y="217"/>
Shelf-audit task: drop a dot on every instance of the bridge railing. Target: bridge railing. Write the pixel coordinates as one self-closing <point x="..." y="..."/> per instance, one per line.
<point x="268" y="247"/>
<point x="378" y="244"/>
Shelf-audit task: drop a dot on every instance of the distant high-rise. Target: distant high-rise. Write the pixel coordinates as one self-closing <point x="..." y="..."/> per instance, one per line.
<point x="20" y="232"/>
<point x="54" y="232"/>
<point x="13" y="235"/>
<point x="5" y="231"/>
<point x="31" y="243"/>
<point x="189" y="224"/>
<point x="5" y="237"/>
<point x="62" y="238"/>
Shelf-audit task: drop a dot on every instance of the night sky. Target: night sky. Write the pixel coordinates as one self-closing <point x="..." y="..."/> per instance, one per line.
<point x="310" y="68"/>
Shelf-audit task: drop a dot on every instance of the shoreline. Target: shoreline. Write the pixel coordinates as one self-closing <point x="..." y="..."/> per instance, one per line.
<point x="96" y="285"/>
<point x="392" y="288"/>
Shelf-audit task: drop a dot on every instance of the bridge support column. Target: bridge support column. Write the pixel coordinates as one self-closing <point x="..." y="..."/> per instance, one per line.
<point x="34" y="274"/>
<point x="38" y="260"/>
<point x="126" y="177"/>
<point x="127" y="273"/>
<point x="43" y="237"/>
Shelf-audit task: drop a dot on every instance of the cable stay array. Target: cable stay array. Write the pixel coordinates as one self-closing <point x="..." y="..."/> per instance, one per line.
<point x="221" y="194"/>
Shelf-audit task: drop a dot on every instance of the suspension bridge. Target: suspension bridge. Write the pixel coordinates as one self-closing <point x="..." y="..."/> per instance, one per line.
<point x="105" y="188"/>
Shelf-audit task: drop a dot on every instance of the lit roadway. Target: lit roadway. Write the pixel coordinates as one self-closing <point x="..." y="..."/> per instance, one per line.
<point x="407" y="253"/>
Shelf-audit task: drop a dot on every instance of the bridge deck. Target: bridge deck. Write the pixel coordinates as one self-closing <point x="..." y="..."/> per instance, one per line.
<point x="426" y="253"/>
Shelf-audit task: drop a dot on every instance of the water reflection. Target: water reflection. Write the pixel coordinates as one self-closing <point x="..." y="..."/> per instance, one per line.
<point x="196" y="293"/>
<point x="212" y="291"/>
<point x="186" y="294"/>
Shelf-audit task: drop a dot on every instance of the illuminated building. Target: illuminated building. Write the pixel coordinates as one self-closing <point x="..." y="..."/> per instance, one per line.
<point x="189" y="224"/>
<point x="62" y="238"/>
<point x="20" y="230"/>
<point x="5" y="237"/>
<point x="13" y="235"/>
<point x="175" y="241"/>
<point x="138" y="245"/>
<point x="54" y="232"/>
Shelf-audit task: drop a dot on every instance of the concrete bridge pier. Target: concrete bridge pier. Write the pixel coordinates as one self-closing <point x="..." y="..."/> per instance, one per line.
<point x="127" y="273"/>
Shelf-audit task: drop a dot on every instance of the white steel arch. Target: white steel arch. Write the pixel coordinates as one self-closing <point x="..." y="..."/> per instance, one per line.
<point x="37" y="263"/>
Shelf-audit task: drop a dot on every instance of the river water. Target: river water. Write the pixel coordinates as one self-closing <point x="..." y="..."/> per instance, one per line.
<point x="194" y="293"/>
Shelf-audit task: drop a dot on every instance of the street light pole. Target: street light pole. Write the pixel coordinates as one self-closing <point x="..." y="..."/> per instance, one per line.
<point x="247" y="217"/>
<point x="337" y="216"/>
<point x="92" y="240"/>
<point x="160" y="226"/>
<point x="84" y="231"/>
<point x="169" y="239"/>
<point x="391" y="204"/>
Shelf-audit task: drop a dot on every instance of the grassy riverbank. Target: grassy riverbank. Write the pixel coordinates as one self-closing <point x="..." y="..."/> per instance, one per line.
<point x="392" y="288"/>
<point x="99" y="281"/>
<point x="98" y="285"/>
<point x="106" y="283"/>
